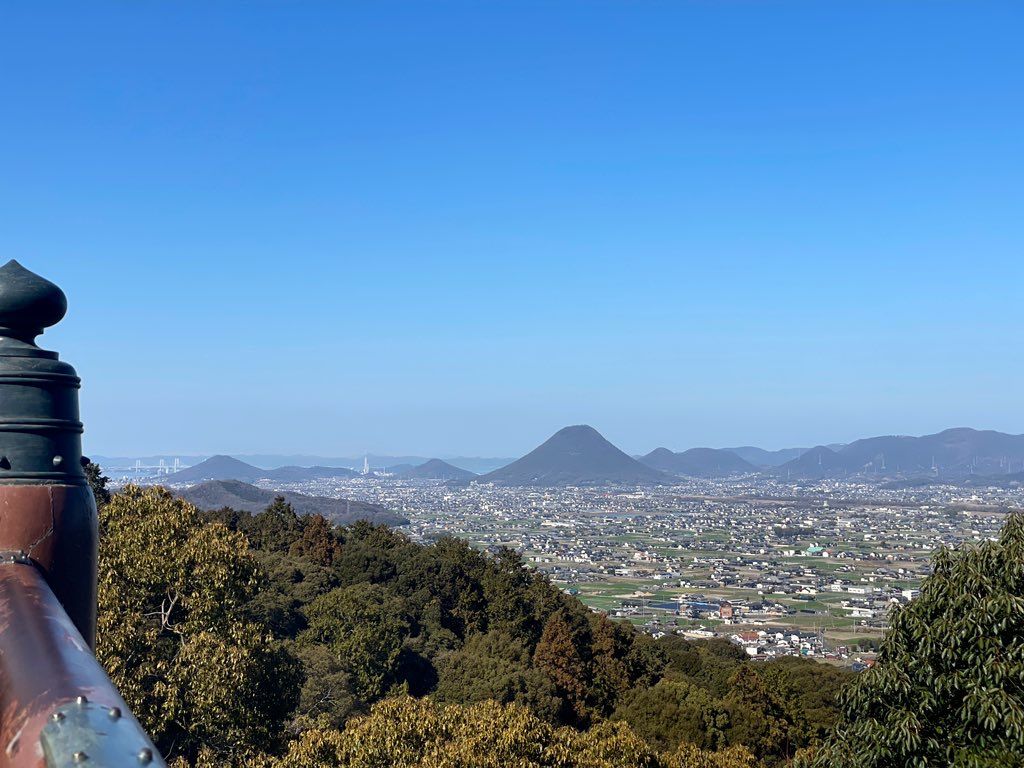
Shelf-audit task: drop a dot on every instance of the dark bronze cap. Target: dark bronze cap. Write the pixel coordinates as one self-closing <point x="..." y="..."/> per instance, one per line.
<point x="28" y="302"/>
<point x="40" y="434"/>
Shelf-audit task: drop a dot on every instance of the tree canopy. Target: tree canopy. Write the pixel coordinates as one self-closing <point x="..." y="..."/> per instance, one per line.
<point x="277" y="639"/>
<point x="948" y="686"/>
<point x="174" y="634"/>
<point x="418" y="733"/>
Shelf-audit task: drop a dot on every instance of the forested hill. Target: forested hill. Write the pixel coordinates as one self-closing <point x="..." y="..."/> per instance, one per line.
<point x="217" y="494"/>
<point x="320" y="623"/>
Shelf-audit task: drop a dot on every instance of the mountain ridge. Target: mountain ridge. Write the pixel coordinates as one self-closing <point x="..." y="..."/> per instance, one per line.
<point x="958" y="451"/>
<point x="953" y="453"/>
<point x="215" y="494"/>
<point x="222" y="467"/>
<point x="698" y="462"/>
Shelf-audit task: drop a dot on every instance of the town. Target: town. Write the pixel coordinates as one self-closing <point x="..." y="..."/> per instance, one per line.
<point x="807" y="569"/>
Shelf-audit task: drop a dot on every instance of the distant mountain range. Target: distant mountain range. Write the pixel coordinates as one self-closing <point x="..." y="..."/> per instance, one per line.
<point x="435" y="469"/>
<point x="579" y="455"/>
<point x="229" y="468"/>
<point x="954" y="452"/>
<point x="698" y="462"/>
<point x="248" y="498"/>
<point x="392" y="464"/>
<point x="576" y="456"/>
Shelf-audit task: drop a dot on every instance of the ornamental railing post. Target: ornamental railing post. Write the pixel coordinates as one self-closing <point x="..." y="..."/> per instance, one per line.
<point x="47" y="512"/>
<point x="57" y="706"/>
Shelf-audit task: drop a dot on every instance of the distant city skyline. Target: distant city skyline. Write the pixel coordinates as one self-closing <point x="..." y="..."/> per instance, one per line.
<point x="438" y="230"/>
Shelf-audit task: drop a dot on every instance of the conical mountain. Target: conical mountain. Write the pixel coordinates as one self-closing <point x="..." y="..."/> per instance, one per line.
<point x="577" y="456"/>
<point x="436" y="469"/>
<point x="660" y="458"/>
<point x="218" y="468"/>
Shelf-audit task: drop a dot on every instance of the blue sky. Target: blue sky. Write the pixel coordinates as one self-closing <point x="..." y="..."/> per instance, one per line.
<point x="453" y="227"/>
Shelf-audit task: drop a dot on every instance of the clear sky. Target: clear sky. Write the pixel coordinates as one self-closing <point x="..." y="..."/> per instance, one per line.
<point x="454" y="227"/>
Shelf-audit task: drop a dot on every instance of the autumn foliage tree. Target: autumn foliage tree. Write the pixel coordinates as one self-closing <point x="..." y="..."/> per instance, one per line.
<point x="418" y="733"/>
<point x="318" y="542"/>
<point x="558" y="657"/>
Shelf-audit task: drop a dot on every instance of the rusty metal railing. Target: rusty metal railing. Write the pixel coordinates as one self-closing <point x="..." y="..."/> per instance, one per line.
<point x="57" y="705"/>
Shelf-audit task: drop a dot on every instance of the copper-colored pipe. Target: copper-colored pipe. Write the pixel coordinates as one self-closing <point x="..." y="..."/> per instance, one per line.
<point x="57" y="706"/>
<point x="55" y="526"/>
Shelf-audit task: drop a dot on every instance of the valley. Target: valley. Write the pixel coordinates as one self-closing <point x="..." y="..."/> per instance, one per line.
<point x="744" y="559"/>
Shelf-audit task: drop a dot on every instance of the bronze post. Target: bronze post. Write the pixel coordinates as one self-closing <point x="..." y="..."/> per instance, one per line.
<point x="57" y="706"/>
<point x="46" y="508"/>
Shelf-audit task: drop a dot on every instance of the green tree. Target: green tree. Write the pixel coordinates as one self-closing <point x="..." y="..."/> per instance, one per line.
<point x="173" y="633"/>
<point x="675" y="712"/>
<point x="758" y="718"/>
<point x="371" y="553"/>
<point x="365" y="627"/>
<point x="809" y="690"/>
<point x="506" y="584"/>
<point x="458" y="585"/>
<point x="645" y="660"/>
<point x="326" y="699"/>
<point x="293" y="583"/>
<point x="275" y="528"/>
<point x="948" y="688"/>
<point x="496" y="666"/>
<point x="98" y="483"/>
<point x="711" y="664"/>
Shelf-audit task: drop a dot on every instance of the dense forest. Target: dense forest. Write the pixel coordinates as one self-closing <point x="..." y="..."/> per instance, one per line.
<point x="272" y="639"/>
